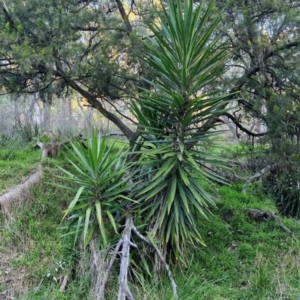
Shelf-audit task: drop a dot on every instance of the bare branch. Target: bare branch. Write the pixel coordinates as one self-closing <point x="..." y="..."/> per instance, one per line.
<point x="280" y="223"/>
<point x="238" y="124"/>
<point x="257" y="175"/>
<point x="92" y="100"/>
<point x="118" y="111"/>
<point x="124" y="291"/>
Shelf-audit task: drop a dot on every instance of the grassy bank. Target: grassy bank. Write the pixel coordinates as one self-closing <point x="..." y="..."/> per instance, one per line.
<point x="243" y="258"/>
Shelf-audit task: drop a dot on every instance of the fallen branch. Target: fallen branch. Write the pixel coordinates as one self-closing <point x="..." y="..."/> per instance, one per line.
<point x="114" y="133"/>
<point x="259" y="215"/>
<point x="125" y="243"/>
<point x="257" y="175"/>
<point x="101" y="288"/>
<point x="124" y="290"/>
<point x="98" y="265"/>
<point x="260" y="173"/>
<point x="280" y="223"/>
<point x="51" y="149"/>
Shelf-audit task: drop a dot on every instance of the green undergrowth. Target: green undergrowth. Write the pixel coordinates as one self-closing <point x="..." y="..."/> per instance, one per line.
<point x="16" y="165"/>
<point x="243" y="258"/>
<point x="32" y="245"/>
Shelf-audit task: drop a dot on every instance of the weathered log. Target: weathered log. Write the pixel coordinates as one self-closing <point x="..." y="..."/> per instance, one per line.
<point x="257" y="175"/>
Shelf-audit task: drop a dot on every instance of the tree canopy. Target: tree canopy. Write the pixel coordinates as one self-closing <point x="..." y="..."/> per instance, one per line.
<point x="264" y="38"/>
<point x="89" y="46"/>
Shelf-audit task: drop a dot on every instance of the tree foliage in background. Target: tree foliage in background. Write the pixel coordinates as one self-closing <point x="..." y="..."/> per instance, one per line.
<point x="263" y="68"/>
<point x="86" y="46"/>
<point x="50" y="47"/>
<point x="264" y="71"/>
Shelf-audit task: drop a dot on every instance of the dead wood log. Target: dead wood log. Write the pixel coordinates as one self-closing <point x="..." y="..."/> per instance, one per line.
<point x="257" y="175"/>
<point x="113" y="133"/>
<point x="260" y="173"/>
<point x="280" y="223"/>
<point x="161" y="257"/>
<point x="259" y="215"/>
<point x="52" y="149"/>
<point x="124" y="290"/>
<point x="64" y="284"/>
<point x="48" y="149"/>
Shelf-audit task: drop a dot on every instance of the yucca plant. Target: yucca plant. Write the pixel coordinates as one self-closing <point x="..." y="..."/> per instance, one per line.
<point x="187" y="59"/>
<point x="99" y="182"/>
<point x="167" y="163"/>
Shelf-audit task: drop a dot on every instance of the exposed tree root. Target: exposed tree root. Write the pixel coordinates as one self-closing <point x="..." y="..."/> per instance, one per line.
<point x="19" y="193"/>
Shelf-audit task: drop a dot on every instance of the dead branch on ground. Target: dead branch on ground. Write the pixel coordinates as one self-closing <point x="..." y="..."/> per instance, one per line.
<point x="125" y="243"/>
<point x="258" y="175"/>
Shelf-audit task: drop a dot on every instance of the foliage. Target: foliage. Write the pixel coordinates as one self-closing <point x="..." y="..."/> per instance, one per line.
<point x="16" y="161"/>
<point x="98" y="178"/>
<point x="84" y="46"/>
<point x="59" y="46"/>
<point x="186" y="58"/>
<point x="263" y="68"/>
<point x="283" y="184"/>
<point x="27" y="131"/>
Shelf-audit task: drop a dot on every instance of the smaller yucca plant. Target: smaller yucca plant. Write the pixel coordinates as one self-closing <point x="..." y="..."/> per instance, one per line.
<point x="98" y="179"/>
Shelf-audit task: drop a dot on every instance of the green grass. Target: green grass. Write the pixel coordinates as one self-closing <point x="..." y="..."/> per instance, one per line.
<point x="248" y="259"/>
<point x="33" y="245"/>
<point x="15" y="165"/>
<point x="243" y="259"/>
